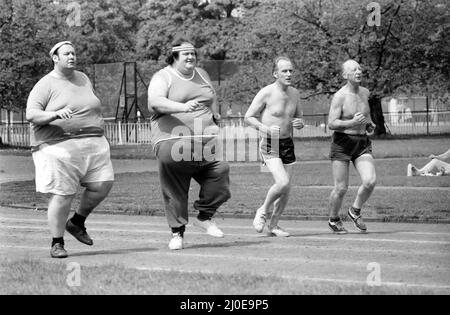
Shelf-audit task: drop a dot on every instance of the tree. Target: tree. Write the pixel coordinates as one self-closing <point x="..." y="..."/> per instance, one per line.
<point x="212" y="26"/>
<point x="28" y="29"/>
<point x="407" y="50"/>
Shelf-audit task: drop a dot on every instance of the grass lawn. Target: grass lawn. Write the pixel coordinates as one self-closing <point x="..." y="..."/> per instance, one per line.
<point x="397" y="198"/>
<point x="403" y="199"/>
<point x="139" y="193"/>
<point x="305" y="150"/>
<point x="38" y="278"/>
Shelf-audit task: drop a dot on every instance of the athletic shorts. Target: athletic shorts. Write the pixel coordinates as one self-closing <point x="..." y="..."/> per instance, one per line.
<point x="346" y="147"/>
<point x="284" y="151"/>
<point x="63" y="166"/>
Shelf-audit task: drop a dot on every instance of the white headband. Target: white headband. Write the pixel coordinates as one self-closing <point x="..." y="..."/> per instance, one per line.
<point x="57" y="46"/>
<point x="183" y="47"/>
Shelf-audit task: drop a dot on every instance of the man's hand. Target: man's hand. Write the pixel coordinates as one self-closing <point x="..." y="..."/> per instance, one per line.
<point x="360" y="119"/>
<point x="275" y="131"/>
<point x="64" y="113"/>
<point x="298" y="123"/>
<point x="370" y="128"/>
<point x="217" y="118"/>
<point x="192" y="106"/>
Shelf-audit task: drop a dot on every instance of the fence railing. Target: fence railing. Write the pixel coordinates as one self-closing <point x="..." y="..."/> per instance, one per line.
<point x="415" y="123"/>
<point x="15" y="135"/>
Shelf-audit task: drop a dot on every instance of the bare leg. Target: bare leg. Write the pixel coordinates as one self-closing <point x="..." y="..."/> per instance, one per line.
<point x="281" y="186"/>
<point x="92" y="196"/>
<point x="365" y="165"/>
<point x="434" y="166"/>
<point x="340" y="174"/>
<point x="58" y="212"/>
<point x="280" y="203"/>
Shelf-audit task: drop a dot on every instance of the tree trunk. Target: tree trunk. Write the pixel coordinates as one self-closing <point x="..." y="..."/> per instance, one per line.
<point x="376" y="112"/>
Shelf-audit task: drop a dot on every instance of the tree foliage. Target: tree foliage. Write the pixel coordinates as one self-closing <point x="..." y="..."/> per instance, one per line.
<point x="408" y="50"/>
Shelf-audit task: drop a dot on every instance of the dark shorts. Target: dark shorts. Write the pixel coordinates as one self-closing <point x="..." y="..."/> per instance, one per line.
<point x="346" y="147"/>
<point x="284" y="151"/>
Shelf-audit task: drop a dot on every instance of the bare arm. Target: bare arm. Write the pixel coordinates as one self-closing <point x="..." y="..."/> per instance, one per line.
<point x="256" y="107"/>
<point x="299" y="107"/>
<point x="158" y="101"/>
<point x="443" y="156"/>
<point x="298" y="122"/>
<point x="41" y="117"/>
<point x="370" y="127"/>
<point x="214" y="105"/>
<point x="37" y="103"/>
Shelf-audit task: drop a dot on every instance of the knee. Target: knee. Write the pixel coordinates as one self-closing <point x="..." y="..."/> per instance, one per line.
<point x="340" y="190"/>
<point x="224" y="191"/>
<point x="62" y="200"/>
<point x="221" y="196"/>
<point x="284" y="186"/>
<point x="223" y="169"/>
<point x="108" y="186"/>
<point x="105" y="187"/>
<point x="370" y="183"/>
<point x="102" y="188"/>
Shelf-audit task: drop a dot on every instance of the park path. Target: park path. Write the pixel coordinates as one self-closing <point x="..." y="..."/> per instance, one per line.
<point x="405" y="254"/>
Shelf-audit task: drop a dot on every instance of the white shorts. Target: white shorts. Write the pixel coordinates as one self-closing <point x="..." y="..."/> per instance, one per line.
<point x="63" y="166"/>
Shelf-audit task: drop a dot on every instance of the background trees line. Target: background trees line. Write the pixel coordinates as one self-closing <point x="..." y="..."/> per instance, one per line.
<point x="408" y="52"/>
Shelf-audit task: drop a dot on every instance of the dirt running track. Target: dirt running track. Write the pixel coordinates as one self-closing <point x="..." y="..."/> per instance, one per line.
<point x="414" y="255"/>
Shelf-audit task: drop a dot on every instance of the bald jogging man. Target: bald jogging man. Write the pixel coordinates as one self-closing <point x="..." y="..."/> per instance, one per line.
<point x="350" y="119"/>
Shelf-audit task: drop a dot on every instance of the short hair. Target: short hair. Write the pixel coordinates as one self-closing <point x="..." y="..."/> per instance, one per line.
<point x="344" y="65"/>
<point x="278" y="59"/>
<point x="172" y="55"/>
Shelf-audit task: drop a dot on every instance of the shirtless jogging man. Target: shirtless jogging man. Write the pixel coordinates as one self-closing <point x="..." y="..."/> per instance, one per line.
<point x="349" y="117"/>
<point x="279" y="108"/>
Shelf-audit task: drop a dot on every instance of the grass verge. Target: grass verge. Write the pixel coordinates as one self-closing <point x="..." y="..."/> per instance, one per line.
<point x="305" y="149"/>
<point x="401" y="199"/>
<point x="34" y="277"/>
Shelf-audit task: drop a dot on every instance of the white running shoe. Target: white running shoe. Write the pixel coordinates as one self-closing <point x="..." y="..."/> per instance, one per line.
<point x="260" y="220"/>
<point x="176" y="242"/>
<point x="209" y="226"/>
<point x="277" y="231"/>
<point x="411" y="170"/>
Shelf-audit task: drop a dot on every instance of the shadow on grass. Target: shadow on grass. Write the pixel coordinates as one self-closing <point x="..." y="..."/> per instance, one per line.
<point x="225" y="245"/>
<point x="113" y="252"/>
<point x="350" y="233"/>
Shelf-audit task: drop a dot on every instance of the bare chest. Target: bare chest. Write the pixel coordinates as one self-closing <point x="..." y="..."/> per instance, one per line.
<point x="280" y="105"/>
<point x="354" y="103"/>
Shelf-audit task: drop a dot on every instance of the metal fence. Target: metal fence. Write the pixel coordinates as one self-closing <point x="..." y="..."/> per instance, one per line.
<point x="15" y="135"/>
<point x="415" y="123"/>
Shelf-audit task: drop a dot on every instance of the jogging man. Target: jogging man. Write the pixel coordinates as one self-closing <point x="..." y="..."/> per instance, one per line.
<point x="279" y="108"/>
<point x="349" y="117"/>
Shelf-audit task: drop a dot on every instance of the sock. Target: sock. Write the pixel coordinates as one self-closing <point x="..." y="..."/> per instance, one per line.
<point x="78" y="220"/>
<point x="203" y="216"/>
<point x="335" y="219"/>
<point x="57" y="240"/>
<point x="356" y="211"/>
<point x="180" y="230"/>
